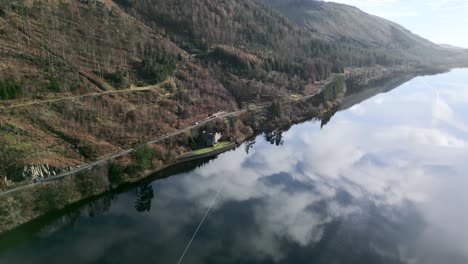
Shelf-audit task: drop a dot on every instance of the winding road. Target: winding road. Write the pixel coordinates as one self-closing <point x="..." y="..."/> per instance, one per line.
<point x="91" y="165"/>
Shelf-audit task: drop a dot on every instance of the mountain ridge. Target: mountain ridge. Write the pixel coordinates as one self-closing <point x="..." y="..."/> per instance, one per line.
<point x="449" y="46"/>
<point x="344" y="21"/>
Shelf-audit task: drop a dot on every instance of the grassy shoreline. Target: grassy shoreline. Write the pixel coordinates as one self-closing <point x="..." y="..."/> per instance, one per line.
<point x="207" y="150"/>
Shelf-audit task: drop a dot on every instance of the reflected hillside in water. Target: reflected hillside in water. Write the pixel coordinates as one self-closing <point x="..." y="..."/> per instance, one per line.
<point x="358" y="93"/>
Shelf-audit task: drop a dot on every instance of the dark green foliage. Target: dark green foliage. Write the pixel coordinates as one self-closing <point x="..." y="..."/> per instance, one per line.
<point x="118" y="78"/>
<point x="276" y="108"/>
<point x="144" y="155"/>
<point x="54" y="85"/>
<point x="157" y="64"/>
<point x="56" y="196"/>
<point x="333" y="89"/>
<point x="13" y="173"/>
<point x="182" y="112"/>
<point x="249" y="27"/>
<point x="115" y="173"/>
<point x="231" y="59"/>
<point x="10" y="89"/>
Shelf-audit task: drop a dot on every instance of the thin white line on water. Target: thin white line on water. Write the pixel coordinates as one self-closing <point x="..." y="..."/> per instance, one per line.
<point x="201" y="222"/>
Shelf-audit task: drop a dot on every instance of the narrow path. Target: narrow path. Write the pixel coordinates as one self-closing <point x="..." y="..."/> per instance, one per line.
<point x="75" y="97"/>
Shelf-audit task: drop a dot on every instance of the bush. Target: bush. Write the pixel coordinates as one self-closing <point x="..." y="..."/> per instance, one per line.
<point x="9" y="213"/>
<point x="333" y="89"/>
<point x="117" y="78"/>
<point x="233" y="58"/>
<point x="276" y="108"/>
<point x="157" y="64"/>
<point x="10" y="89"/>
<point x="115" y="173"/>
<point x="144" y="155"/>
<point x="54" y="85"/>
<point x="57" y="195"/>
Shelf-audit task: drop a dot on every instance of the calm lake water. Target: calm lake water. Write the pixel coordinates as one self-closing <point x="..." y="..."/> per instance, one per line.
<point x="384" y="181"/>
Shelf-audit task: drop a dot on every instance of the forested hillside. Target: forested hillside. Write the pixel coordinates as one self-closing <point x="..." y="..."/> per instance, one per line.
<point x="69" y="49"/>
<point x="245" y="40"/>
<point x="253" y="50"/>
<point x="58" y="46"/>
<point x="69" y="68"/>
<point x="348" y="24"/>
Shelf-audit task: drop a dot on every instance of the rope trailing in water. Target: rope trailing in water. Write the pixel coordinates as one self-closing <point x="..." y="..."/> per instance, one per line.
<point x="201" y="222"/>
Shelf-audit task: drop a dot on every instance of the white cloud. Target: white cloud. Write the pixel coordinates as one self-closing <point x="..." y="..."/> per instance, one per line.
<point x="424" y="136"/>
<point x="358" y="109"/>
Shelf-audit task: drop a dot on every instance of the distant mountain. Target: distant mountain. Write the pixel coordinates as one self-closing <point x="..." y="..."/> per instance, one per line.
<point x="451" y="47"/>
<point x="344" y="23"/>
<point x="339" y="21"/>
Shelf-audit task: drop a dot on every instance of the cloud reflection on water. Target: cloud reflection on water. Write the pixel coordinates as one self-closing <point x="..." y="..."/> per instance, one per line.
<point x="390" y="165"/>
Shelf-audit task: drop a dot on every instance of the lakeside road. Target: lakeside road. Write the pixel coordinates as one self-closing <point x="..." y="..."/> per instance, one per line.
<point x="91" y="165"/>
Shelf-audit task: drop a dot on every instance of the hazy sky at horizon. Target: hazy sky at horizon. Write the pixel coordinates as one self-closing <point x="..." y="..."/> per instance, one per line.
<point x="441" y="21"/>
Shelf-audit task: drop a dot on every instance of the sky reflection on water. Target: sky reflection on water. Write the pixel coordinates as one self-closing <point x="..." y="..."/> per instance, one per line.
<point x="383" y="182"/>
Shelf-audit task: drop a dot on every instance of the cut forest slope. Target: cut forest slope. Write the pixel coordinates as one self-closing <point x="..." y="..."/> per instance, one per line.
<point x="65" y="49"/>
<point x="69" y="67"/>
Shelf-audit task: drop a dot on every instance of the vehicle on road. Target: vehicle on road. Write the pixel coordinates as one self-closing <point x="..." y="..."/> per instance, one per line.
<point x="38" y="180"/>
